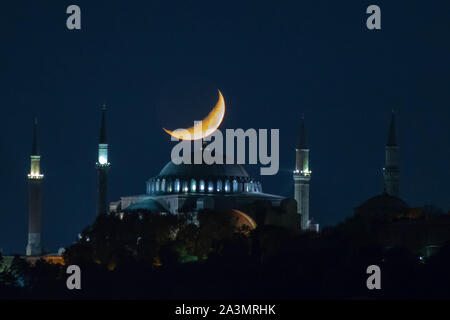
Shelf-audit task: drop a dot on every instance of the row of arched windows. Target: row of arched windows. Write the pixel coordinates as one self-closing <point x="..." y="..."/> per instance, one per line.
<point x="209" y="186"/>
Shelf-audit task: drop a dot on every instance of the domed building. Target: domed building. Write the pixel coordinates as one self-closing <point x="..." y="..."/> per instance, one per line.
<point x="192" y="187"/>
<point x="383" y="205"/>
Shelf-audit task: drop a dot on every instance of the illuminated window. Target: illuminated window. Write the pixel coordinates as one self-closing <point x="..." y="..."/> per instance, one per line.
<point x="169" y="185"/>
<point x="193" y="185"/>
<point x="163" y="185"/>
<point x="235" y="186"/>
<point x="185" y="186"/>
<point x="227" y="186"/>
<point x="210" y="186"/>
<point x="202" y="185"/>
<point x="177" y="185"/>
<point x="219" y="185"/>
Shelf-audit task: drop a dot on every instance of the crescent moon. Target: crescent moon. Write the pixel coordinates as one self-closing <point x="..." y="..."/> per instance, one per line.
<point x="204" y="128"/>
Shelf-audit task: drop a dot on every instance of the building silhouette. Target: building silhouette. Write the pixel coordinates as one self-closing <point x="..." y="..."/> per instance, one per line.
<point x="391" y="170"/>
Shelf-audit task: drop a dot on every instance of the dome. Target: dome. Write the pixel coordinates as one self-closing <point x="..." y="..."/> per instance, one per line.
<point x="383" y="203"/>
<point x="202" y="178"/>
<point x="203" y="170"/>
<point x="147" y="204"/>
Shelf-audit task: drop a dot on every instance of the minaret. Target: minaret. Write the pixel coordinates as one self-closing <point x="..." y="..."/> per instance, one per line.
<point x="35" y="177"/>
<point x="302" y="175"/>
<point x="102" y="168"/>
<point x="391" y="170"/>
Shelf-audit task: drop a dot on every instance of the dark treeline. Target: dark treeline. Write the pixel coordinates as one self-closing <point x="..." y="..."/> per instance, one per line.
<point x="149" y="256"/>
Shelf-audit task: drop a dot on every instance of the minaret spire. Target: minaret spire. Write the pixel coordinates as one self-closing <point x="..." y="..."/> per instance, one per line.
<point x="34" y="247"/>
<point x="391" y="170"/>
<point x="302" y="176"/>
<point x="35" y="145"/>
<point x="103" y="126"/>
<point x="301" y="143"/>
<point x="392" y="137"/>
<point x="102" y="167"/>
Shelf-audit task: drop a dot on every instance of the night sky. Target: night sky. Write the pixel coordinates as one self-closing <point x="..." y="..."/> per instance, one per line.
<point x="159" y="64"/>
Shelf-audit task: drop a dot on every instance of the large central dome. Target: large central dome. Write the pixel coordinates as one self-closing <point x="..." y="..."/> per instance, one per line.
<point x="202" y="178"/>
<point x="203" y="170"/>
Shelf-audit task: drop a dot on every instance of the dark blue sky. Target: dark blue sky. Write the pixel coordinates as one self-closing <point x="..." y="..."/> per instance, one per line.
<point x="158" y="64"/>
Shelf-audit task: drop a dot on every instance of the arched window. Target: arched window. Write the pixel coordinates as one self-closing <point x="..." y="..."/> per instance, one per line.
<point x="193" y="185"/>
<point x="227" y="185"/>
<point x="202" y="185"/>
<point x="157" y="186"/>
<point x="219" y="185"/>
<point x="185" y="186"/>
<point x="177" y="185"/>
<point x="163" y="185"/>
<point x="235" y="185"/>
<point x="169" y="185"/>
<point x="148" y="188"/>
<point x="210" y="186"/>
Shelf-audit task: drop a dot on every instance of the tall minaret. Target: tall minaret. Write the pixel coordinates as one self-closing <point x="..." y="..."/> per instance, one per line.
<point x="391" y="170"/>
<point x="302" y="175"/>
<point x="34" y="247"/>
<point x="102" y="168"/>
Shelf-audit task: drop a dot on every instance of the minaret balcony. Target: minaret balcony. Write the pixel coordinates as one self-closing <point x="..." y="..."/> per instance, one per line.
<point x="304" y="173"/>
<point x="103" y="165"/>
<point x="35" y="176"/>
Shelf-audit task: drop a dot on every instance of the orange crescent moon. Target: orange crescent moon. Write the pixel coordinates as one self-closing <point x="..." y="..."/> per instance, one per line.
<point x="206" y="127"/>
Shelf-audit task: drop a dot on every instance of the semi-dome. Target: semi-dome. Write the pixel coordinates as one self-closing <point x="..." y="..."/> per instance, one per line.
<point x="147" y="204"/>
